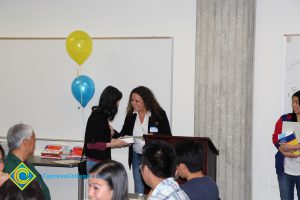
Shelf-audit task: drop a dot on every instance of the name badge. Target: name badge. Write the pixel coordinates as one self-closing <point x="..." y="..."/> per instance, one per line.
<point x="153" y="129"/>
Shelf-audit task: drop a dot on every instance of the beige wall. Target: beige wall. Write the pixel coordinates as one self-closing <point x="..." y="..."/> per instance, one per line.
<point x="273" y="20"/>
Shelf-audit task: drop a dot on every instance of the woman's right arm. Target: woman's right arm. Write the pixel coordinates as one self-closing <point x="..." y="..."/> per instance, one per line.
<point x="277" y="132"/>
<point x="289" y="148"/>
<point x="3" y="177"/>
<point x="287" y="153"/>
<point x="115" y="143"/>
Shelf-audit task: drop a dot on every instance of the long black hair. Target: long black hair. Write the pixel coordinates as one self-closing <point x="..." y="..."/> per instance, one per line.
<point x="115" y="175"/>
<point x="296" y="94"/>
<point x="2" y="151"/>
<point x="108" y="102"/>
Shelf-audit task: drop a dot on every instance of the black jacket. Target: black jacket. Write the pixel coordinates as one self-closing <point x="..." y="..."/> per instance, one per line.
<point x="160" y="124"/>
<point x="97" y="130"/>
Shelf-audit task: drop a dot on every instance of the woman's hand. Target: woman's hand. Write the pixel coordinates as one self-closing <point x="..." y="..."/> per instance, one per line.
<point x="284" y="147"/>
<point x="118" y="143"/>
<point x="3" y="177"/>
<point x="289" y="148"/>
<point x="290" y="154"/>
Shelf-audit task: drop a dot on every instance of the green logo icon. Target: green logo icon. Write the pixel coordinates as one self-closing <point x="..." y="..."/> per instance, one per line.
<point x="22" y="176"/>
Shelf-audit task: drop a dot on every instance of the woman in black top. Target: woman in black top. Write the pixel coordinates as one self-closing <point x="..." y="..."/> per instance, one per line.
<point x="99" y="134"/>
<point x="144" y="116"/>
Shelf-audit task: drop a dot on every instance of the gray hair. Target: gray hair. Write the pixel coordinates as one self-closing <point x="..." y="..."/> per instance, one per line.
<point x="16" y="134"/>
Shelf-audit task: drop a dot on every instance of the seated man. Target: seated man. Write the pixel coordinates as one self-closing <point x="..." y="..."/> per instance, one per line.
<point x="189" y="160"/>
<point x="21" y="144"/>
<point x="158" y="168"/>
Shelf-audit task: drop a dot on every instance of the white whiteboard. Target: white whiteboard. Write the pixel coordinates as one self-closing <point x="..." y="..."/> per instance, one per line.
<point x="36" y="77"/>
<point x="291" y="69"/>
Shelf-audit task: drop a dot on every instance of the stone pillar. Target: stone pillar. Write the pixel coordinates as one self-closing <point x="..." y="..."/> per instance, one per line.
<point x="223" y="90"/>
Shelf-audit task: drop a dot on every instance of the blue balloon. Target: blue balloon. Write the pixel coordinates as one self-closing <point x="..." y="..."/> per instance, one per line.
<point x="83" y="89"/>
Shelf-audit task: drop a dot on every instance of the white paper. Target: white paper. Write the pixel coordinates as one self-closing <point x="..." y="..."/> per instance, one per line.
<point x="128" y="139"/>
<point x="66" y="161"/>
<point x="292" y="126"/>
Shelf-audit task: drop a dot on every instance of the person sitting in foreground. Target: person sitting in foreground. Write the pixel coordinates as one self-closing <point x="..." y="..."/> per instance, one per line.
<point x="108" y="181"/>
<point x="158" y="168"/>
<point x="3" y="176"/>
<point x="21" y="144"/>
<point x="189" y="166"/>
<point x="9" y="190"/>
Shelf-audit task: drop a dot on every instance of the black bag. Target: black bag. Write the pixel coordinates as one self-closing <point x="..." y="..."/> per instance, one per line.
<point x="82" y="168"/>
<point x="82" y="164"/>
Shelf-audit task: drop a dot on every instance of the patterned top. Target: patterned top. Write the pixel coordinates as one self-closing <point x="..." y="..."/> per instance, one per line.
<point x="168" y="189"/>
<point x="279" y="157"/>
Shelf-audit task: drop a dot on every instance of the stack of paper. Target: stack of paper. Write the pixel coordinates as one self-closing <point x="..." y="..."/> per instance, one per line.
<point x="289" y="137"/>
<point x="55" y="151"/>
<point x="75" y="154"/>
<point x="128" y="139"/>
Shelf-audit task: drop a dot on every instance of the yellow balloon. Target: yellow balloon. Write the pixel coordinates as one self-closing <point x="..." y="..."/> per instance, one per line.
<point x="79" y="46"/>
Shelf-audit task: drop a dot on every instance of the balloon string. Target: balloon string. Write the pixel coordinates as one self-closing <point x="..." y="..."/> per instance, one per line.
<point x="80" y="86"/>
<point x="81" y="101"/>
<point x="83" y="122"/>
<point x="78" y="70"/>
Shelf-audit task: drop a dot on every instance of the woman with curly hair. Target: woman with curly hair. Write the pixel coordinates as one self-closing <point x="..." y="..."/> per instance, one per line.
<point x="144" y="116"/>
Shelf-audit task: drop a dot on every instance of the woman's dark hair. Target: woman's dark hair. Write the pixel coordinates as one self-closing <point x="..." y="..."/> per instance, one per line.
<point x="296" y="94"/>
<point x="9" y="190"/>
<point x="115" y="175"/>
<point x="108" y="102"/>
<point x="149" y="99"/>
<point x="2" y="151"/>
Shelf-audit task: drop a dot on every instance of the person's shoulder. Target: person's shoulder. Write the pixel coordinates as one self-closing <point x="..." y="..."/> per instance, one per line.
<point x="206" y="180"/>
<point x="97" y="114"/>
<point x="162" y="111"/>
<point x="209" y="178"/>
<point x="287" y="117"/>
<point x="130" y="115"/>
<point x="10" y="163"/>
